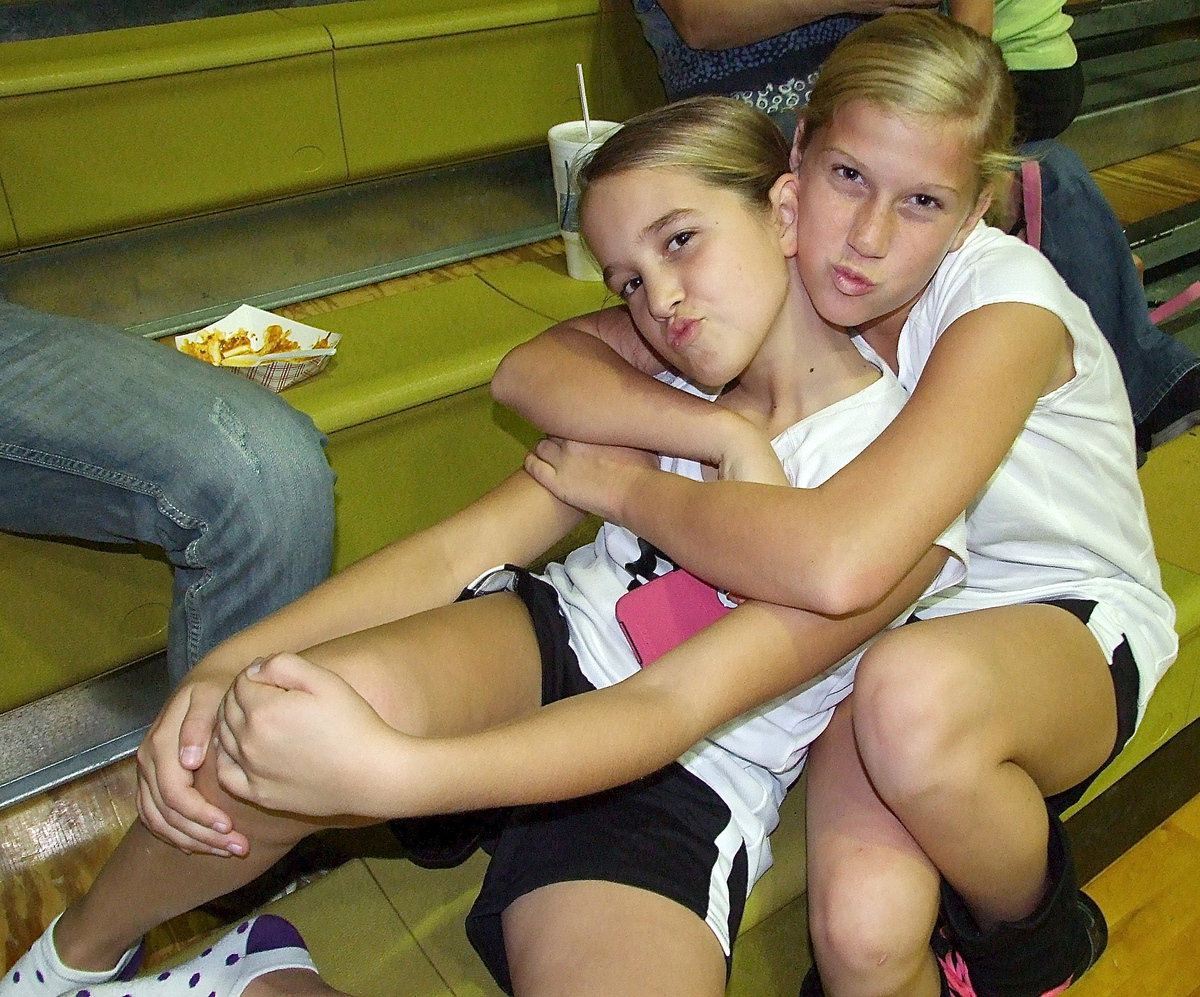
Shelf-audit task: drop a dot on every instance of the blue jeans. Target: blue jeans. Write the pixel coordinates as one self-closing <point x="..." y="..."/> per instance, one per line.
<point x="110" y="437"/>
<point x="1083" y="239"/>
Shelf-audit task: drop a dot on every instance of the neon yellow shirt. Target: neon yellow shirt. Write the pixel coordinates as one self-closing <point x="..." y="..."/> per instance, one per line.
<point x="1033" y="34"/>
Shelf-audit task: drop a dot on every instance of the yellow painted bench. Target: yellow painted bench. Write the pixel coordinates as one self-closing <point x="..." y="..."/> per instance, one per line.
<point x="114" y="130"/>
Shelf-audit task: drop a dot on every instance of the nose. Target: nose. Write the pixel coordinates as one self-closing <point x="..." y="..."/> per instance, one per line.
<point x="663" y="295"/>
<point x="871" y="232"/>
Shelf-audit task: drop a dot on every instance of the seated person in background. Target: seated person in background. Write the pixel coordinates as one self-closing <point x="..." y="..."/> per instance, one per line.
<point x="767" y="54"/>
<point x="1034" y="38"/>
<point x="109" y="437"/>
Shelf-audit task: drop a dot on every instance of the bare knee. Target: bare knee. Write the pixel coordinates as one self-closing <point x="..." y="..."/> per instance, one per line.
<point x="870" y="933"/>
<point x="382" y="676"/>
<point x="264" y="829"/>
<point x="912" y="714"/>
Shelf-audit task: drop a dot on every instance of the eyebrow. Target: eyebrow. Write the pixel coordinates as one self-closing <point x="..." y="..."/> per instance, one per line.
<point x="660" y="223"/>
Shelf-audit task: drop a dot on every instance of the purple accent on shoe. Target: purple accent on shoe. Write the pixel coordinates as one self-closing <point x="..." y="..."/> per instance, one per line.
<point x="271" y="931"/>
<point x="164" y="976"/>
<point x="84" y="993"/>
<point x="242" y="927"/>
<point x="134" y="963"/>
<point x="811" y="986"/>
<point x="207" y="951"/>
<point x="17" y="977"/>
<point x="231" y="958"/>
<point x="40" y="977"/>
<point x="194" y="980"/>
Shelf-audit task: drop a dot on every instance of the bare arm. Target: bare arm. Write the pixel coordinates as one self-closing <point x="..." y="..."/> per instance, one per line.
<point x="718" y="24"/>
<point x="597" y="740"/>
<point x="586" y="380"/>
<point x="515" y="522"/>
<point x="979" y="14"/>
<point x="838" y="547"/>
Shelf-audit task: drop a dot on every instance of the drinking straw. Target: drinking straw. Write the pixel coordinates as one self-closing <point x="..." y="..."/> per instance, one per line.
<point x="587" y="121"/>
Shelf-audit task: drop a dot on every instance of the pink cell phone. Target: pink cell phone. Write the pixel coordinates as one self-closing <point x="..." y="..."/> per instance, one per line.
<point x="666" y="611"/>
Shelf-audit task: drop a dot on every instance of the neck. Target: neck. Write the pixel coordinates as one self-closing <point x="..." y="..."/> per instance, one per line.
<point x="805" y="365"/>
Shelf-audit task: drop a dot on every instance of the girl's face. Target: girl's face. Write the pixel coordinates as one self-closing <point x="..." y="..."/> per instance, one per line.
<point x="705" y="275"/>
<point x="882" y="200"/>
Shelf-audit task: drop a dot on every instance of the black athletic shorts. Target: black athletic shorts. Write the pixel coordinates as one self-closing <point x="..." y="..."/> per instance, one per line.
<point x="669" y="832"/>
<point x="1126" y="685"/>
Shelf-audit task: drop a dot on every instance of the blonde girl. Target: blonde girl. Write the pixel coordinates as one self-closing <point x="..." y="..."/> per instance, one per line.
<point x="378" y="695"/>
<point x="934" y="793"/>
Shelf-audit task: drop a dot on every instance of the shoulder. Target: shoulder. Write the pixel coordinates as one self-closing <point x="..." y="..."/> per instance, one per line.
<point x="991" y="268"/>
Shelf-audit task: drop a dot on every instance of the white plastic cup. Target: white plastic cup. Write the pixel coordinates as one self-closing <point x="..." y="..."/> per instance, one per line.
<point x="569" y="146"/>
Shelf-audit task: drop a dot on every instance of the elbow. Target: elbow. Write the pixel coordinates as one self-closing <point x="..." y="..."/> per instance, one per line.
<point x="508" y="378"/>
<point x="850" y="587"/>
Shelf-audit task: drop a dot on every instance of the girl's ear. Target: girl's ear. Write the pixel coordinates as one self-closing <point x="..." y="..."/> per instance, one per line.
<point x="798" y="143"/>
<point x="785" y="210"/>
<point x="983" y="202"/>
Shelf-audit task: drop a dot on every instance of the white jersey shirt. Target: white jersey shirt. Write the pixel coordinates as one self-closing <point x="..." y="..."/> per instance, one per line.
<point x="751" y="761"/>
<point x="1063" y="515"/>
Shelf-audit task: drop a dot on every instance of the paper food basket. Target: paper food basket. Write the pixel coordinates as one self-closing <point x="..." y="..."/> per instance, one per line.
<point x="248" y="341"/>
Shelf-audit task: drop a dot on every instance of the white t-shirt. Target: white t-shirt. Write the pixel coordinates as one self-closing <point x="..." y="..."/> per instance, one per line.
<point x="1063" y="515"/>
<point x="751" y="761"/>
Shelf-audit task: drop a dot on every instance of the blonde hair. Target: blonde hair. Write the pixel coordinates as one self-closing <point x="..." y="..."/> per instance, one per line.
<point x="923" y="63"/>
<point x="719" y="140"/>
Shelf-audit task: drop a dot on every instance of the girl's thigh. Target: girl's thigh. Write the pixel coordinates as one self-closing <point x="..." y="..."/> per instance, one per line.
<point x="1026" y="684"/>
<point x="607" y="939"/>
<point x="454" y="669"/>
<point x="638" y="889"/>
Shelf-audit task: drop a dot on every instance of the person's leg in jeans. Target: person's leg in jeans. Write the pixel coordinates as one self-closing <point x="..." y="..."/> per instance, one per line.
<point x="1084" y="241"/>
<point x="110" y="437"/>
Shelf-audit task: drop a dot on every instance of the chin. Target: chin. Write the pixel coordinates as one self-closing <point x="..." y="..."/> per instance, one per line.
<point x="844" y="312"/>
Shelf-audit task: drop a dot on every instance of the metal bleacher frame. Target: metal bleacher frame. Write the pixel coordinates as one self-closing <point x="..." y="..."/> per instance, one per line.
<point x="1141" y="60"/>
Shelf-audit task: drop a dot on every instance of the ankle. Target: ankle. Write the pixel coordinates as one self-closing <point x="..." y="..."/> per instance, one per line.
<point x="79" y="950"/>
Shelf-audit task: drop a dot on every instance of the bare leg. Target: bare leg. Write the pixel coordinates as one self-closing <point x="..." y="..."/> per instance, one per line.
<point x="290" y="983"/>
<point x="146" y="882"/>
<point x="599" y="939"/>
<point x="463" y="667"/>
<point x="965" y="724"/>
<point x="872" y="892"/>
